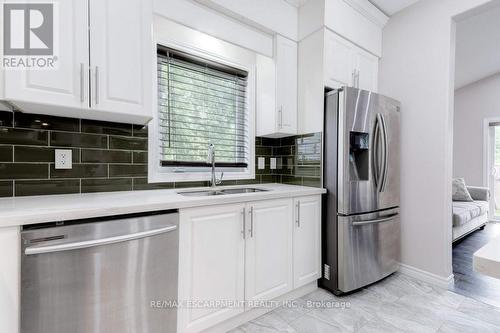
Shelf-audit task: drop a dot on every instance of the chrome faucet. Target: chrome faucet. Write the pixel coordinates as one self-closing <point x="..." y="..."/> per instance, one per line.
<point x="211" y="160"/>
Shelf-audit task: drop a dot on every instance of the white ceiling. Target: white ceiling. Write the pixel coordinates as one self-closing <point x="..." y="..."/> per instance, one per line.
<point x="296" y="3"/>
<point x="477" y="47"/>
<point x="391" y="7"/>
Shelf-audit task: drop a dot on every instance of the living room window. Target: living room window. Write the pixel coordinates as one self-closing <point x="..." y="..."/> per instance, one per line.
<point x="201" y="102"/>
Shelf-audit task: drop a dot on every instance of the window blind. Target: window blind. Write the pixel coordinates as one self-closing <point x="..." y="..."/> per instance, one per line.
<point x="199" y="103"/>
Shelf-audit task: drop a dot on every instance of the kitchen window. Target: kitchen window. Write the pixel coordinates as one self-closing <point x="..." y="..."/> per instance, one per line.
<point x="202" y="102"/>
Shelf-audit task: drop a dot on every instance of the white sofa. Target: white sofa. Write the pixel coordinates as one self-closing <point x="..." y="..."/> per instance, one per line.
<point x="468" y="216"/>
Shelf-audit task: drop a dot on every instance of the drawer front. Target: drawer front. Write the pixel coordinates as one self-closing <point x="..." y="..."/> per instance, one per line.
<point x="369" y="248"/>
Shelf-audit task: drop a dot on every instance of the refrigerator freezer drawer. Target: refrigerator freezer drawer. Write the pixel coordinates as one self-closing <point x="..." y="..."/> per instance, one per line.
<point x="369" y="247"/>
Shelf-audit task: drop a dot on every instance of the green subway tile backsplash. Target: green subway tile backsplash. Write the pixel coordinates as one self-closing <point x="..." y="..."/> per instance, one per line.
<point x="122" y="142"/>
<point x="106" y="156"/>
<point x="106" y="185"/>
<point x="6" y="188"/>
<point x="6" y="119"/>
<point x="40" y="154"/>
<point x="66" y="139"/>
<point x="21" y="136"/>
<point x="104" y="127"/>
<point x="37" y="121"/>
<point x="44" y="187"/>
<point x="80" y="171"/>
<point x="127" y="170"/>
<point x="6" y="153"/>
<point x="113" y="157"/>
<point x="298" y="159"/>
<point x="23" y="171"/>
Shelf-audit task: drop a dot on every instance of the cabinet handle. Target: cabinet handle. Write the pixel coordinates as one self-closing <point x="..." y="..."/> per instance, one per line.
<point x="357" y="79"/>
<point x="297" y="219"/>
<point x="82" y="82"/>
<point x="244" y="213"/>
<point x="251" y="222"/>
<point x="353" y="78"/>
<point x="280" y="111"/>
<point x="96" y="85"/>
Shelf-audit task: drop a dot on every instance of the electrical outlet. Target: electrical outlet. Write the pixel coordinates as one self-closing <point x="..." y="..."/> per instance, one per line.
<point x="63" y="158"/>
<point x="273" y="163"/>
<point x="261" y="163"/>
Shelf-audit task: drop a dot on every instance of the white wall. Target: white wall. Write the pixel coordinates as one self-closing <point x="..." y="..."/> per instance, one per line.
<point x="273" y="15"/>
<point x="478" y="49"/>
<point x="213" y="23"/>
<point x="417" y="68"/>
<point x="473" y="104"/>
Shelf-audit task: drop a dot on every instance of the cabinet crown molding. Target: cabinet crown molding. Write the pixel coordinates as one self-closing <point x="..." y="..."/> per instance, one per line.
<point x="369" y="11"/>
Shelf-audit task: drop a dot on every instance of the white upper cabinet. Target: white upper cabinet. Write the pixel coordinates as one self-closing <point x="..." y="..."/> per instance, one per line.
<point x="367" y="70"/>
<point x="339" y="61"/>
<point x="277" y="90"/>
<point x="340" y="45"/>
<point x="104" y="68"/>
<point x="307" y="240"/>
<point x="120" y="55"/>
<point x="67" y="84"/>
<point x="268" y="252"/>
<point x="286" y="85"/>
<point x="348" y="65"/>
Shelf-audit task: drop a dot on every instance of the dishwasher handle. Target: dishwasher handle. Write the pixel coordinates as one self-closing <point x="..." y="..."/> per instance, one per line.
<point x="96" y="242"/>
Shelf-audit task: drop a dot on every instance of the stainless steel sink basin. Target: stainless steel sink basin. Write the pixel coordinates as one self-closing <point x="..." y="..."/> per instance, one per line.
<point x="222" y="192"/>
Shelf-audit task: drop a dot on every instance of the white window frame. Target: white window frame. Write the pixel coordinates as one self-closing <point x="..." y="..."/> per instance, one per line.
<point x="228" y="57"/>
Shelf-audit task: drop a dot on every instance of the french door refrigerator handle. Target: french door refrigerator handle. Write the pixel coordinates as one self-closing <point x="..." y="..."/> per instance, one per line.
<point x="384" y="219"/>
<point x="96" y="242"/>
<point x="376" y="162"/>
<point x="385" y="153"/>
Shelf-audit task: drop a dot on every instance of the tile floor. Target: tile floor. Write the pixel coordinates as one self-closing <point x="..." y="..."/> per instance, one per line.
<point x="396" y="304"/>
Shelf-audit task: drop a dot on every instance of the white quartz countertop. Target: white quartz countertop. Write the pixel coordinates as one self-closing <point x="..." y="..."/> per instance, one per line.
<point x="52" y="208"/>
<point x="486" y="260"/>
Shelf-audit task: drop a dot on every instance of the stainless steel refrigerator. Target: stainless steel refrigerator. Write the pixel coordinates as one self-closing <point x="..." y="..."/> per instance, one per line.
<point x="361" y="172"/>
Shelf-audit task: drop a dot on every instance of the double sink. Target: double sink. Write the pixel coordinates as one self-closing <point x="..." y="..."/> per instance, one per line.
<point x="222" y="192"/>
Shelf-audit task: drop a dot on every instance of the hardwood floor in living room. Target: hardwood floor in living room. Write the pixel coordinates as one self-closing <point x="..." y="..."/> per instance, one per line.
<point x="467" y="282"/>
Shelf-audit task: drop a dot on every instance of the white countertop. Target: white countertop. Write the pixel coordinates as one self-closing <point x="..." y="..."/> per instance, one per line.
<point x="39" y="209"/>
<point x="486" y="260"/>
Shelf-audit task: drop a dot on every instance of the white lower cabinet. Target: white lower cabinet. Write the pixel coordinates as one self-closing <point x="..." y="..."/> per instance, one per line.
<point x="268" y="251"/>
<point x="307" y="240"/>
<point x="211" y="264"/>
<point x="244" y="252"/>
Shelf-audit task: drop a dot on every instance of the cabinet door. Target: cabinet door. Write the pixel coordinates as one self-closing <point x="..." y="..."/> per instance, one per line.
<point x="121" y="55"/>
<point x="339" y="61"/>
<point x="211" y="263"/>
<point x="268" y="254"/>
<point x="266" y="96"/>
<point x="286" y="85"/>
<point x="307" y="240"/>
<point x="367" y="65"/>
<point x="65" y="85"/>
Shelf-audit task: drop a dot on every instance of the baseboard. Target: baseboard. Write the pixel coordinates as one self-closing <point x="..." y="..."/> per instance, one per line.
<point x="427" y="277"/>
<point x="255" y="313"/>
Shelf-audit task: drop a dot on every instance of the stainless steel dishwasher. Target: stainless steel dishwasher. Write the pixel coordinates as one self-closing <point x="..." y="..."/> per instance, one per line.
<point x="100" y="275"/>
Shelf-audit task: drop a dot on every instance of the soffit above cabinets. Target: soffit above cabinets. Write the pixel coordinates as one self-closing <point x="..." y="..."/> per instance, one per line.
<point x="391" y="7"/>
